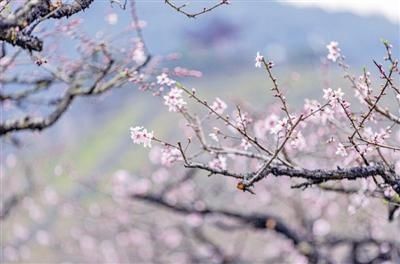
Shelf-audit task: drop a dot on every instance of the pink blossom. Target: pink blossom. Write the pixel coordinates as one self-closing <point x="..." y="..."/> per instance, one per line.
<point x="362" y="87"/>
<point x="174" y="100"/>
<point x="139" y="135"/>
<point x="218" y="163"/>
<point x="219" y="106"/>
<point x="334" y="51"/>
<point x="259" y="60"/>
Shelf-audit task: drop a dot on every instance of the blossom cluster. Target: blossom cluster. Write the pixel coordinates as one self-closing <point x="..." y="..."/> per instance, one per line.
<point x="319" y="126"/>
<point x="333" y="96"/>
<point x="174" y="100"/>
<point x="139" y="135"/>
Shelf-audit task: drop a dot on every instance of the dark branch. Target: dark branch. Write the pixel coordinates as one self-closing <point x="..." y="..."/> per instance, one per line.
<point x="40" y="123"/>
<point x="180" y="9"/>
<point x="12" y="27"/>
<point x="319" y="175"/>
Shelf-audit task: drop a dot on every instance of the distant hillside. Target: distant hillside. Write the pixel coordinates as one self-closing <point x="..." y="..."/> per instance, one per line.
<point x="279" y="30"/>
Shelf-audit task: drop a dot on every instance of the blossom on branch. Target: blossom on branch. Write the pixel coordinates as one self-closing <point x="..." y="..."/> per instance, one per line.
<point x="139" y="135"/>
<point x="259" y="60"/>
<point x="334" y="51"/>
<point x="333" y="96"/>
<point x="174" y="100"/>
<point x="219" y="106"/>
<point x="163" y="79"/>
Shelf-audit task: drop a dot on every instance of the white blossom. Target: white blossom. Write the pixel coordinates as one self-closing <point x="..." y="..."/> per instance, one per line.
<point x="163" y="79"/>
<point x="334" y="51"/>
<point x="333" y="96"/>
<point x="219" y="106"/>
<point x="259" y="60"/>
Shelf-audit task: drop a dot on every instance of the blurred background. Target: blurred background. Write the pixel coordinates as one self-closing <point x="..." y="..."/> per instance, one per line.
<point x="73" y="162"/>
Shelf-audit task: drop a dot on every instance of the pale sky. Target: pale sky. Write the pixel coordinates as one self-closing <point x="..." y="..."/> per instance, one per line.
<point x="388" y="8"/>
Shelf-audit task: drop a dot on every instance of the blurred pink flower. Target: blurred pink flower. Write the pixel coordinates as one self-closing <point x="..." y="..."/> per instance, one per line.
<point x="170" y="155"/>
